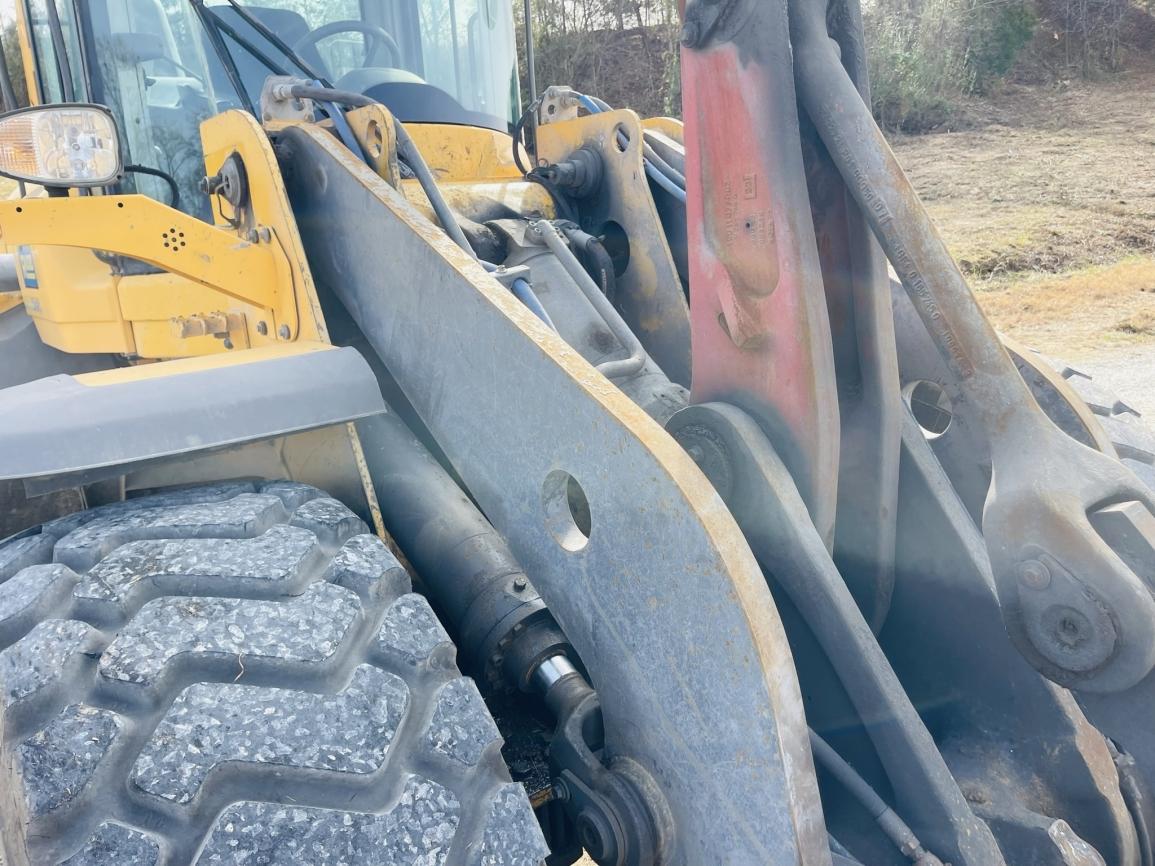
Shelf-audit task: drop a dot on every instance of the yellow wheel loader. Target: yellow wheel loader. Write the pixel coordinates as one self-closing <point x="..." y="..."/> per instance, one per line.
<point x="392" y="473"/>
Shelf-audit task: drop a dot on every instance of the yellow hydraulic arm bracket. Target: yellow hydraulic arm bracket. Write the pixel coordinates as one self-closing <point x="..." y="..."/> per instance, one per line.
<point x="255" y="272"/>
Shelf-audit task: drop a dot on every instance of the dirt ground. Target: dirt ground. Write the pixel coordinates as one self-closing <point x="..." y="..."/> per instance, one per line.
<point x="1048" y="202"/>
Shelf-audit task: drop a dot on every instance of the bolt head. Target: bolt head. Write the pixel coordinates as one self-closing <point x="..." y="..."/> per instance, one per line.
<point x="1034" y="574"/>
<point x="283" y="332"/>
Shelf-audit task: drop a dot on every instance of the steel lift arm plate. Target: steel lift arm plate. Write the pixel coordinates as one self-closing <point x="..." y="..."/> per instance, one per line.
<point x="662" y="599"/>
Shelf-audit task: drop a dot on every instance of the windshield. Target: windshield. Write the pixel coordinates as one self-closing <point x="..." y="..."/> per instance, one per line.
<point x="153" y="62"/>
<point x="450" y="61"/>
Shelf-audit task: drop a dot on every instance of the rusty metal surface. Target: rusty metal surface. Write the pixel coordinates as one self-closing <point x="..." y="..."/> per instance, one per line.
<point x="761" y="338"/>
<point x="1091" y="624"/>
<point x="662" y="599"/>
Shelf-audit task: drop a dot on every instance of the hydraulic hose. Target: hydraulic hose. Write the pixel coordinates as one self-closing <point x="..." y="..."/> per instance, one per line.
<point x="409" y="152"/>
<point x="887" y="819"/>
<point x="595" y="249"/>
<point x="657" y="169"/>
<point x="610" y="369"/>
<point x="665" y="183"/>
<point x="524" y="292"/>
<point x="406" y="149"/>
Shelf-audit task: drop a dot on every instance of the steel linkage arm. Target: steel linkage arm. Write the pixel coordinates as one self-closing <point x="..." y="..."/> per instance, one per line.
<point x="758" y="319"/>
<point x="1074" y="607"/>
<point x="753" y="481"/>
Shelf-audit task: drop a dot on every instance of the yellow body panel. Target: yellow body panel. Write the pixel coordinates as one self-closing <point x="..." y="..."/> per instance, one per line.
<point x="10" y="301"/>
<point x="69" y="293"/>
<point x="252" y="274"/>
<point x="667" y="126"/>
<point x="239" y="132"/>
<point x="465" y="152"/>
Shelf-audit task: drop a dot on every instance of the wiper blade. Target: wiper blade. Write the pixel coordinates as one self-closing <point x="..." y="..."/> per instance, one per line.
<point x="211" y="23"/>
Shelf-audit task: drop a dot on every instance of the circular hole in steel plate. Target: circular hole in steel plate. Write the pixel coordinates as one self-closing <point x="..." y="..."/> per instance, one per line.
<point x="567" y="510"/>
<point x="931" y="407"/>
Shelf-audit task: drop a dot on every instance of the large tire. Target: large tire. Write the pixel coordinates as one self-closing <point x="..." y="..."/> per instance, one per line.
<point x="238" y="673"/>
<point x="1125" y="428"/>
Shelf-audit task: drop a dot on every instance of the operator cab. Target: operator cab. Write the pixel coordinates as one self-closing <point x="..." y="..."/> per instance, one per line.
<point x="163" y="66"/>
<point x="429" y="61"/>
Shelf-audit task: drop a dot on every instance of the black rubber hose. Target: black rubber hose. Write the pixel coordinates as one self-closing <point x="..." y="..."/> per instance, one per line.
<point x="173" y="189"/>
<point x="517" y="131"/>
<point x="887" y="819"/>
<point x="406" y="150"/>
<point x="603" y="265"/>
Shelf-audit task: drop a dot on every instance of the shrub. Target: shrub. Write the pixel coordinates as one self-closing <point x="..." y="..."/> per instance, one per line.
<point x="917" y="62"/>
<point x="996" y="34"/>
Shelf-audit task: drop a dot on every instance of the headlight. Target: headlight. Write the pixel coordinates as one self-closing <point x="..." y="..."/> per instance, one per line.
<point x="60" y="145"/>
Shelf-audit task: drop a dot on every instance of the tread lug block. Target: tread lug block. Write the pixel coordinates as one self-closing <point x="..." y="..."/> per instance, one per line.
<point x="19" y="553"/>
<point x="1130" y="437"/>
<point x="30" y="596"/>
<point x="418" y="829"/>
<point x="367" y="567"/>
<point x="238" y="673"/>
<point x="411" y="631"/>
<point x="58" y="763"/>
<point x="37" y="669"/>
<point x="231" y="636"/>
<point x="279" y="561"/>
<point x="329" y="520"/>
<point x="243" y="516"/>
<point x="233" y="728"/>
<point x="1101" y="401"/>
<point x="115" y="843"/>
<point x="508" y="836"/>
<point x="292" y="493"/>
<point x="178" y="496"/>
<point x="461" y="730"/>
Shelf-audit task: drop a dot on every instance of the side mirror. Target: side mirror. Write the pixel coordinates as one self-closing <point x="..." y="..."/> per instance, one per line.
<point x="61" y="145"/>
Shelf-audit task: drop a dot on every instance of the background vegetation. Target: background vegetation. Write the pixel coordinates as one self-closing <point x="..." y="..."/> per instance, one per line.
<point x="926" y="56"/>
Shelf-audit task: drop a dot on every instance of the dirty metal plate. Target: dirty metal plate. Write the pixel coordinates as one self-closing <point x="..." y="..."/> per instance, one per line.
<point x="649" y="290"/>
<point x="662" y="598"/>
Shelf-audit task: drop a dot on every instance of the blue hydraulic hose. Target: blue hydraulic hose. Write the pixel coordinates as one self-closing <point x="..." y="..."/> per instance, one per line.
<point x="523" y="291"/>
<point x="588" y="104"/>
<point x="665" y="183"/>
